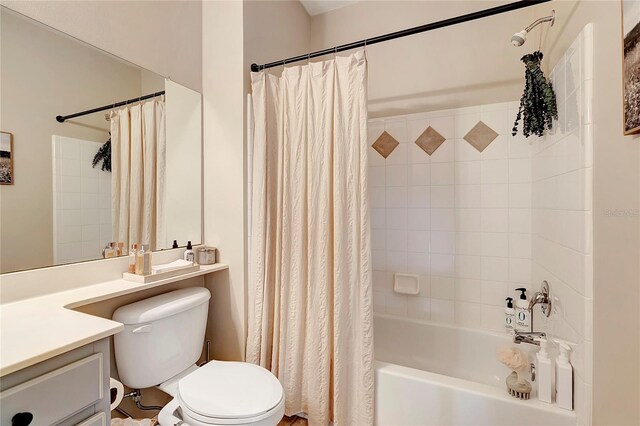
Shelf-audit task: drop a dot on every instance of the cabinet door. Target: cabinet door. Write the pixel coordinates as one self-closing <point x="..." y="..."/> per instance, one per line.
<point x="99" y="419"/>
<point x="54" y="396"/>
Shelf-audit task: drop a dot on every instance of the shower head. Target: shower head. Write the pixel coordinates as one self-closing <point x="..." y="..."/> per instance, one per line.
<point x="520" y="37"/>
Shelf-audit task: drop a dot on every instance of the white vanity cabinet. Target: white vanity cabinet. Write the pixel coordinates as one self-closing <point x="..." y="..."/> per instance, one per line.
<point x="71" y="389"/>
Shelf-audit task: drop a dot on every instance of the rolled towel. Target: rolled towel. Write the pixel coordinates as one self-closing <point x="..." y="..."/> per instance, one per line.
<point x="172" y="266"/>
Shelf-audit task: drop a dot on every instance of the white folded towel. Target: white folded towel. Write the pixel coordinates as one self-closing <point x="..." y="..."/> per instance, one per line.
<point x="176" y="264"/>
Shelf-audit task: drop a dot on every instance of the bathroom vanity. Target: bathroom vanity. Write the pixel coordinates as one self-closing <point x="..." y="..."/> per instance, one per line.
<point x="55" y="361"/>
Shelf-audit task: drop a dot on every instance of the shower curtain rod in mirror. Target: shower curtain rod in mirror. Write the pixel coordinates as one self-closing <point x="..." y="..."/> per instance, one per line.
<point x="403" y="33"/>
<point x="62" y="118"/>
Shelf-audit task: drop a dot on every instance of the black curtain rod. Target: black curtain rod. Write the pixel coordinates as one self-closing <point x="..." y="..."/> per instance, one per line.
<point x="62" y="118"/>
<point x="403" y="33"/>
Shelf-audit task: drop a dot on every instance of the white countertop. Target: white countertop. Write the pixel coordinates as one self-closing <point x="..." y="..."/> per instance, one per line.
<point x="40" y="328"/>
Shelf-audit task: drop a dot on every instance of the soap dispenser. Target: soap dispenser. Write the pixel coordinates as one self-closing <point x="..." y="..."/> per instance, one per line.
<point x="544" y="372"/>
<point x="509" y="316"/>
<point x="189" y="254"/>
<point x="523" y="316"/>
<point x="564" y="377"/>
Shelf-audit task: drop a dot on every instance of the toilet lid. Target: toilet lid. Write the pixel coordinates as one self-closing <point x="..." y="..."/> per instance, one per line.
<point x="229" y="390"/>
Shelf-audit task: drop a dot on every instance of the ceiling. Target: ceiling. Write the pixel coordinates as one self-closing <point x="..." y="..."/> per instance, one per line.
<point x="317" y="7"/>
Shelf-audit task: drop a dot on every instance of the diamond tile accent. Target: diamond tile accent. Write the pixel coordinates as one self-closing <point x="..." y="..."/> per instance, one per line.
<point x="480" y="136"/>
<point x="430" y="140"/>
<point x="385" y="144"/>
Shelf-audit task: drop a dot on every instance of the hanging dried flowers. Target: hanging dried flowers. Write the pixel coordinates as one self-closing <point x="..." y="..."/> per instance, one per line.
<point x="104" y="154"/>
<point x="538" y="105"/>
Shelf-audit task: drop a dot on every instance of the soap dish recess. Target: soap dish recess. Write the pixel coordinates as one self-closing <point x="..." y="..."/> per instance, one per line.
<point x="145" y="279"/>
<point x="406" y="283"/>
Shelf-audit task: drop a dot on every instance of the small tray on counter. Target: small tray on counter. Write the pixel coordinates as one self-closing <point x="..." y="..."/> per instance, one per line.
<point x="145" y="279"/>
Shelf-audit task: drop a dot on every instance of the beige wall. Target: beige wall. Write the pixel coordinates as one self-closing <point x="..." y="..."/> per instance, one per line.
<point x="441" y="69"/>
<point x="162" y="36"/>
<point x="616" y="278"/>
<point x="45" y="74"/>
<point x="235" y="34"/>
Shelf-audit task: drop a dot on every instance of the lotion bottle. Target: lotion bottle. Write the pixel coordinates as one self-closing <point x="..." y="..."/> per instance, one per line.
<point x="544" y="372"/>
<point x="189" y="254"/>
<point x="564" y="377"/>
<point x="509" y="316"/>
<point x="523" y="316"/>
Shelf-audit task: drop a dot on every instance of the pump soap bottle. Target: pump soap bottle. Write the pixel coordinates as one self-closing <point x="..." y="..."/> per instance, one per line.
<point x="523" y="316"/>
<point x="544" y="372"/>
<point x="509" y="316"/>
<point x="189" y="254"/>
<point x="564" y="377"/>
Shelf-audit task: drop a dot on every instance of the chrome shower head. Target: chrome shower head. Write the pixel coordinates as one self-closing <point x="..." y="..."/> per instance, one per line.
<point x="520" y="37"/>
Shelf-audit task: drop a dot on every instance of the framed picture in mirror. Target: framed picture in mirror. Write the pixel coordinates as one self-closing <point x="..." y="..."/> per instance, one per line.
<point x="6" y="158"/>
<point x="631" y="65"/>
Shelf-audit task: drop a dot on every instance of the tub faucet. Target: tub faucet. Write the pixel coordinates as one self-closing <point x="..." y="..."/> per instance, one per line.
<point x="530" y="337"/>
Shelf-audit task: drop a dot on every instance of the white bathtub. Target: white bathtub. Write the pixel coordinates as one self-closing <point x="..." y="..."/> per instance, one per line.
<point x="435" y="374"/>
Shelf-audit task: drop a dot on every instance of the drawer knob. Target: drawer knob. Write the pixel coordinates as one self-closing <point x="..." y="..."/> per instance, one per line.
<point x="22" y="419"/>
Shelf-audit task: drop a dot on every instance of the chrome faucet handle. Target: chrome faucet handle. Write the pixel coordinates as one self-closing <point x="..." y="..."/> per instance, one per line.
<point x="542" y="298"/>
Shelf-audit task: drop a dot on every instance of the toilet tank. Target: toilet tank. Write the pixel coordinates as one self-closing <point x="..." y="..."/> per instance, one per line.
<point x="162" y="336"/>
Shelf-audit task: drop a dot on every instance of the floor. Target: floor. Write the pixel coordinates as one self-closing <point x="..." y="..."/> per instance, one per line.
<point x="291" y="421"/>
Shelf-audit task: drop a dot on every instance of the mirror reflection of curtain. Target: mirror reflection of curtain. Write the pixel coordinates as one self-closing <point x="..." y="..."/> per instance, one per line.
<point x="138" y="157"/>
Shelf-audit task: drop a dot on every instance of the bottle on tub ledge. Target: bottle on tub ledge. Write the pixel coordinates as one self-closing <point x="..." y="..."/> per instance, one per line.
<point x="509" y="316"/>
<point x="544" y="372"/>
<point x="523" y="316"/>
<point x="564" y="376"/>
<point x="189" y="254"/>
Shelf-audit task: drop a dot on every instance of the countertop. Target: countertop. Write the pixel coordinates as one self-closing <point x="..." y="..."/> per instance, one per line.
<point x="40" y="328"/>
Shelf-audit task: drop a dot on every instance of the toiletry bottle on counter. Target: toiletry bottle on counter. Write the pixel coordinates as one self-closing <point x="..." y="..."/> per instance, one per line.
<point x="523" y="316"/>
<point x="564" y="377"/>
<point x="140" y="260"/>
<point x="146" y="260"/>
<point x="175" y="244"/>
<point x="132" y="258"/>
<point x="189" y="254"/>
<point x="509" y="316"/>
<point x="544" y="372"/>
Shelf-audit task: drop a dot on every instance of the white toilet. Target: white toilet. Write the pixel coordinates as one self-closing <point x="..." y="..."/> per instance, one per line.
<point x="159" y="346"/>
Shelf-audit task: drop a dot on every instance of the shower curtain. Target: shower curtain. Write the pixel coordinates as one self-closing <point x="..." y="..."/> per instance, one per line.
<point x="310" y="312"/>
<point x="138" y="148"/>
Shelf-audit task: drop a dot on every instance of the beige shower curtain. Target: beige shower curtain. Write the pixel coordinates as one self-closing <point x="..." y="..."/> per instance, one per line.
<point x="310" y="312"/>
<point x="138" y="148"/>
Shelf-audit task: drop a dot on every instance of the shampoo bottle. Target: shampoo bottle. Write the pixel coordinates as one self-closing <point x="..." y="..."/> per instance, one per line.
<point x="523" y="316"/>
<point x="189" y="254"/>
<point x="544" y="372"/>
<point x="564" y="377"/>
<point x="509" y="316"/>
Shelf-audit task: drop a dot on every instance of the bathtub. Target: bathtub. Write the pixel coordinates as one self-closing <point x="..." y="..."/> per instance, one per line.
<point x="434" y="374"/>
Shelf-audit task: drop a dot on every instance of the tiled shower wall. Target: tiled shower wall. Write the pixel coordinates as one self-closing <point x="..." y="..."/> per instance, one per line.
<point x="562" y="213"/>
<point x="459" y="218"/>
<point x="81" y="201"/>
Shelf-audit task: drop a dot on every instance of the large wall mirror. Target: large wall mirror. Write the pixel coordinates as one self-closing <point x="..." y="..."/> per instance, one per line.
<point x="71" y="187"/>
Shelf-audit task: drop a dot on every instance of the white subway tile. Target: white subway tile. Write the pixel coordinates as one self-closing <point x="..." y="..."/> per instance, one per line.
<point x="378" y="218"/>
<point x="495" y="269"/>
<point x="396" y="240"/>
<point x="396" y="304"/>
<point x="443" y="220"/>
<point x="377" y="198"/>
<point x="418" y="197"/>
<point x="397" y="219"/>
<point x="418" y="219"/>
<point x="442" y="310"/>
<point x="467" y="172"/>
<point x="396" y="261"/>
<point x="418" y="241"/>
<point x="442" y="265"/>
<point x="468" y="267"/>
<point x="377" y="176"/>
<point x="418" y="263"/>
<point x="495" y="196"/>
<point x="399" y="156"/>
<point x="467" y="314"/>
<point x="419" y="174"/>
<point x="465" y="152"/>
<point x="495" y="293"/>
<point x="468" y="220"/>
<point x="396" y="175"/>
<point x="442" y="174"/>
<point x="397" y="129"/>
<point x="442" y="196"/>
<point x="468" y="196"/>
<point x="495" y="220"/>
<point x="419" y="308"/>
<point x="442" y="242"/>
<point x="464" y="123"/>
<point x="416" y="127"/>
<point x="445" y="152"/>
<point x="495" y="244"/>
<point x="468" y="290"/>
<point x="469" y="243"/>
<point x="445" y="125"/>
<point x="497" y="149"/>
<point x="520" y="246"/>
<point x="396" y="198"/>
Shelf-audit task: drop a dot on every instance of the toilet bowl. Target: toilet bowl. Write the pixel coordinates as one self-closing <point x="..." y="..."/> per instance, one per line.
<point x="224" y="393"/>
<point x="161" y="343"/>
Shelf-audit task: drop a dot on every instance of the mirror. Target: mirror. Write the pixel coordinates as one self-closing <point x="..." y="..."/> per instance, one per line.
<point x="56" y="206"/>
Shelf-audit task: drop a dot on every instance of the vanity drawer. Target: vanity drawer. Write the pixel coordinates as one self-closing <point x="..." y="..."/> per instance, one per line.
<point x="56" y="395"/>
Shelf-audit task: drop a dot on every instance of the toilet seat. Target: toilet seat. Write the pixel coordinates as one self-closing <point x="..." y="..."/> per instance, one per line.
<point x="230" y="393"/>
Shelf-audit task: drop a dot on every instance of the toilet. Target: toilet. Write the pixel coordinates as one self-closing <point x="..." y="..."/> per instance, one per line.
<point x="160" y="345"/>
